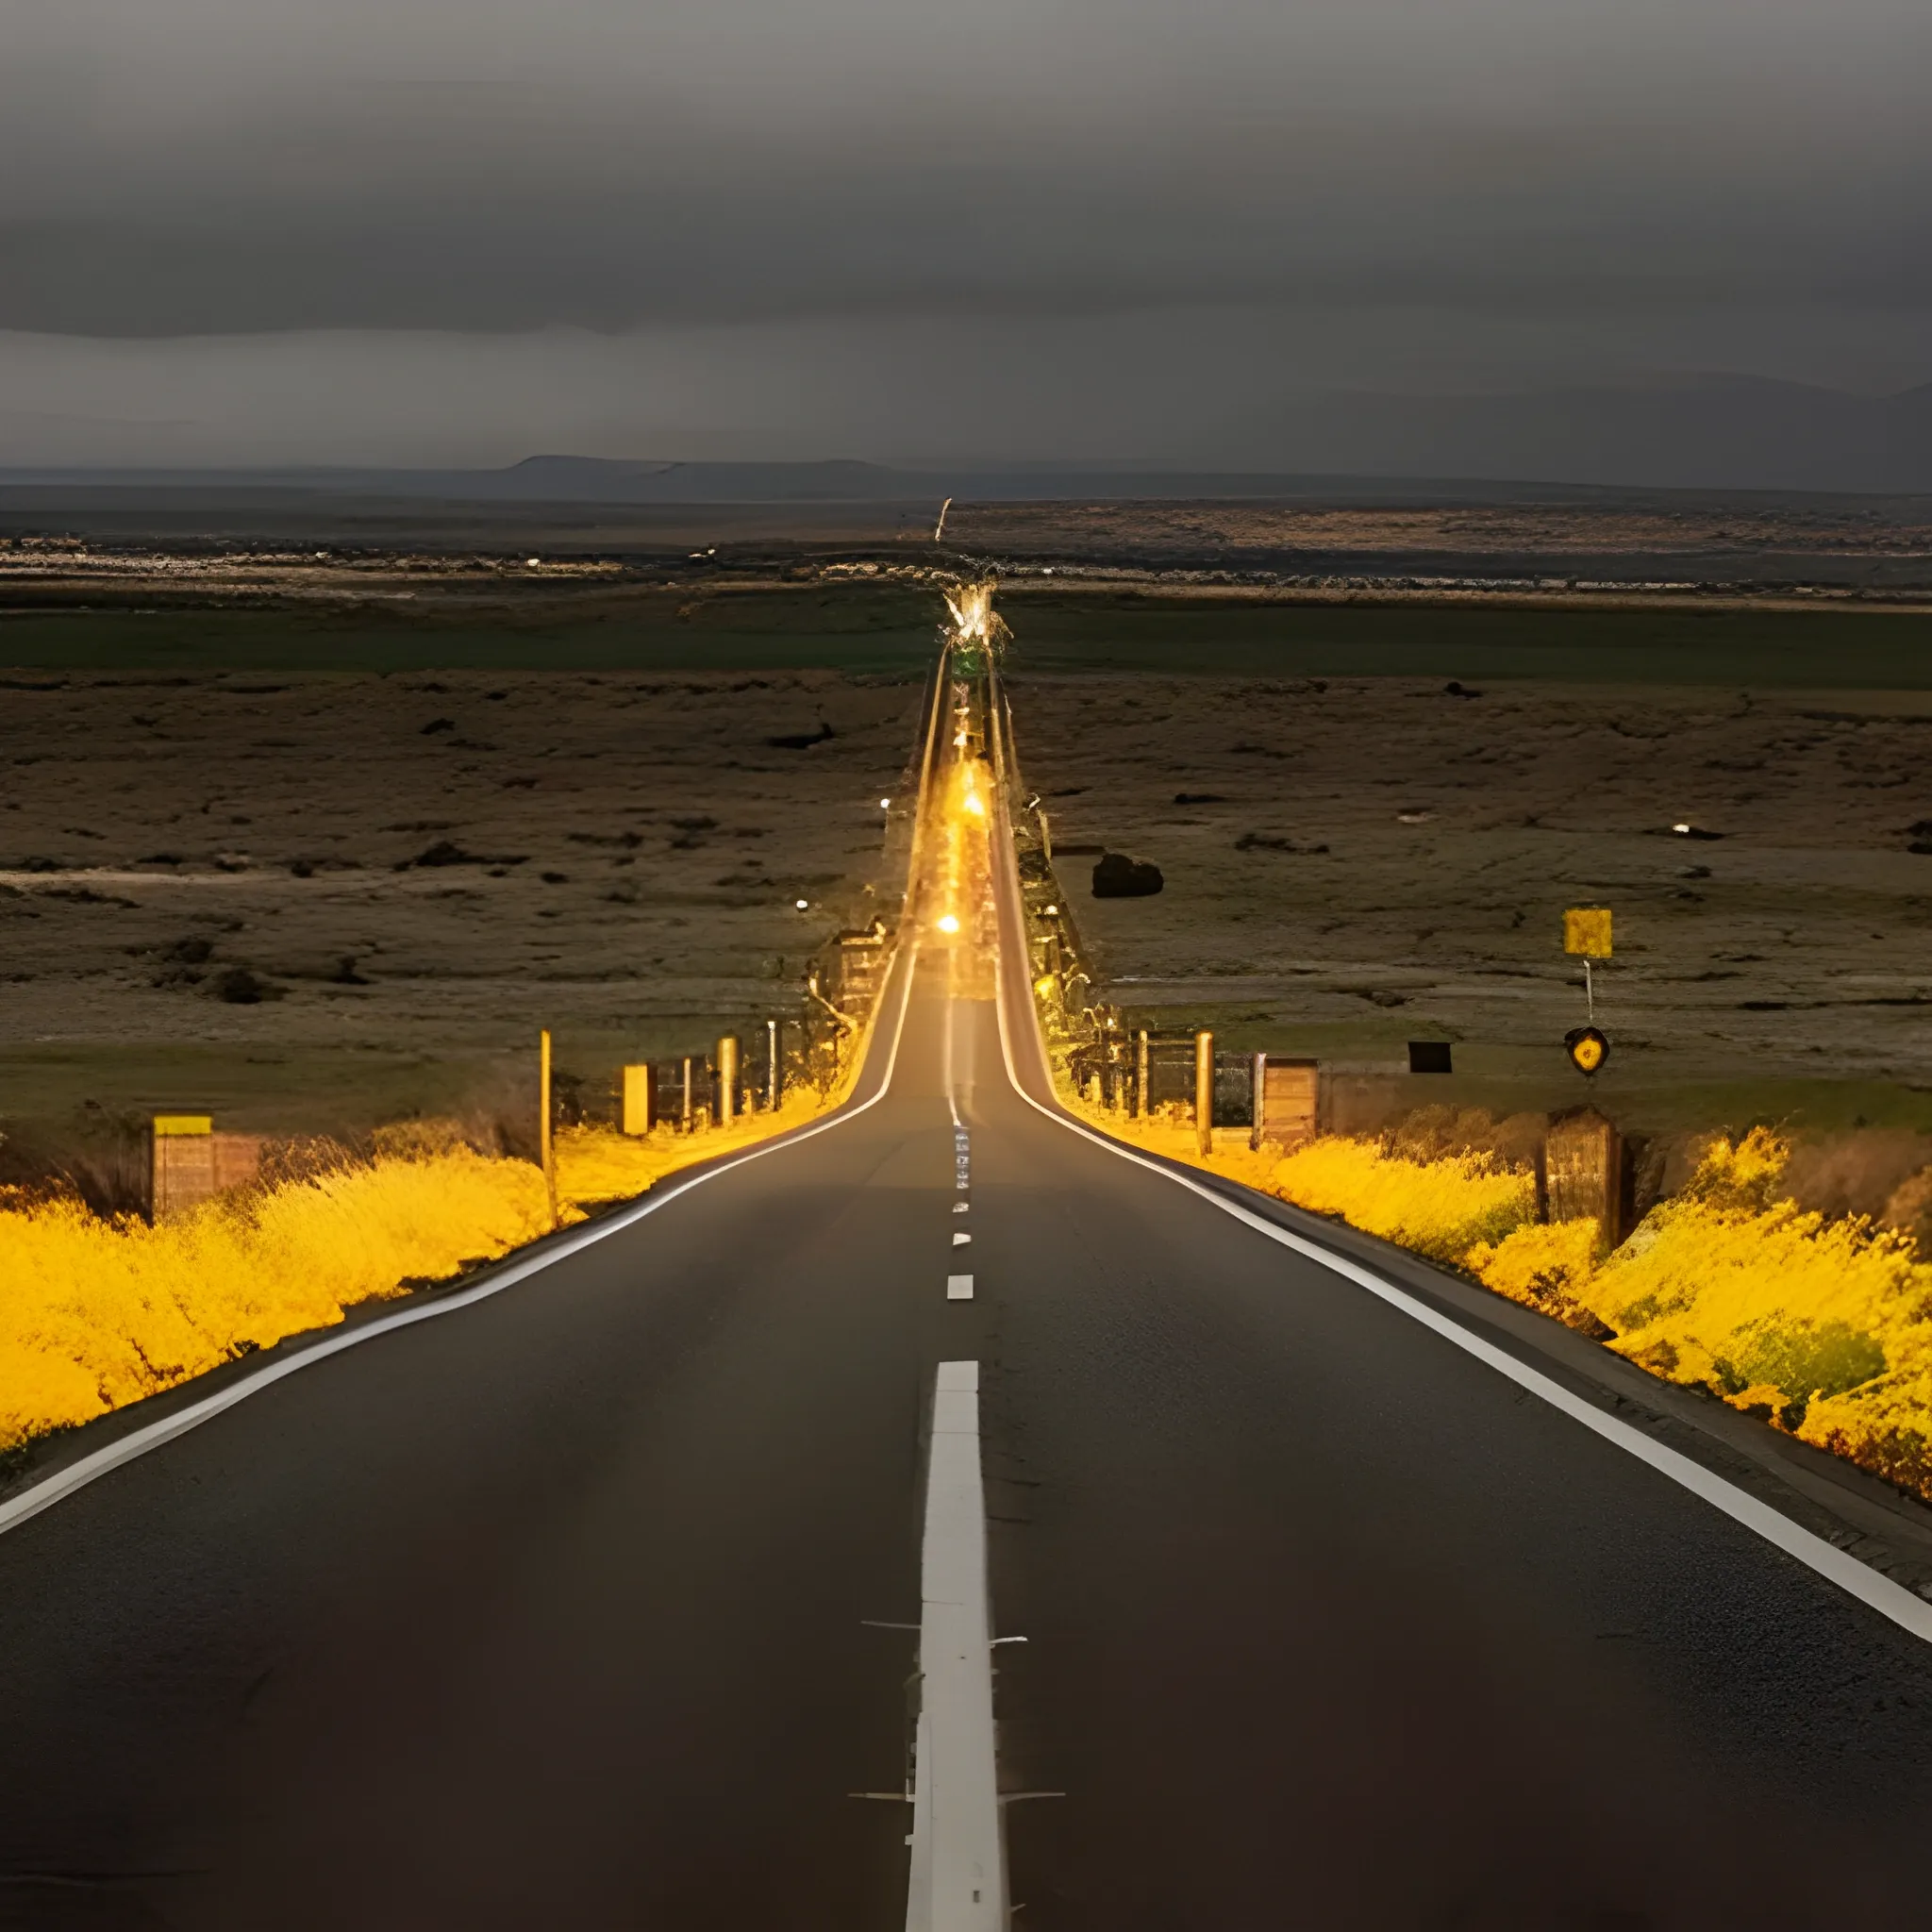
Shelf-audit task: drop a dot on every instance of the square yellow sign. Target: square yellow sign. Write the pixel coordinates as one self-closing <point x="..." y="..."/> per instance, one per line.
<point x="1587" y="931"/>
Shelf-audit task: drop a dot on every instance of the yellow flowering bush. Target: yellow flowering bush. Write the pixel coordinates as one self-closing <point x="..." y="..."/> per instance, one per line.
<point x="1439" y="1208"/>
<point x="96" y="1313"/>
<point x="1824" y="1326"/>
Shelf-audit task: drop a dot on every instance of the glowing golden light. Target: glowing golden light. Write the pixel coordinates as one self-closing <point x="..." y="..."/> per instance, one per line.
<point x="972" y="611"/>
<point x="948" y="923"/>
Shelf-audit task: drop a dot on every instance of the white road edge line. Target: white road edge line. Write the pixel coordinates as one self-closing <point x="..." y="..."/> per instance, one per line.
<point x="64" y="1482"/>
<point x="958" y="1882"/>
<point x="1890" y="1600"/>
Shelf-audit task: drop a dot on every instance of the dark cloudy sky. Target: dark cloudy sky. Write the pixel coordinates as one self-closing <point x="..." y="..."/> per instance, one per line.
<point x="443" y="230"/>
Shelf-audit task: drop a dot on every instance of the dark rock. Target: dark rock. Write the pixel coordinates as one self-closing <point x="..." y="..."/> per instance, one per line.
<point x="241" y="988"/>
<point x="801" y="740"/>
<point x="1117" y="876"/>
<point x="1271" y="842"/>
<point x="446" y="852"/>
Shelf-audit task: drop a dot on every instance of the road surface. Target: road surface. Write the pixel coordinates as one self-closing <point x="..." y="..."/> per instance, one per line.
<point x="592" y="1603"/>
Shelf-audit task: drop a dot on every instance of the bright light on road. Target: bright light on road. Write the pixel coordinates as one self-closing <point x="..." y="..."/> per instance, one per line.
<point x="802" y="904"/>
<point x="949" y="924"/>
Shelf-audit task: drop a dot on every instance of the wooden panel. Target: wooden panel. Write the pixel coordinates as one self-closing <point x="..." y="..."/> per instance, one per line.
<point x="1290" y="1100"/>
<point x="1583" y="1162"/>
<point x="183" y="1163"/>
<point x="237" y="1160"/>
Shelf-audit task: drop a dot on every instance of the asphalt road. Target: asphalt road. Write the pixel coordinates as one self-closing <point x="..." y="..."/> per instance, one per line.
<point x="564" y="1609"/>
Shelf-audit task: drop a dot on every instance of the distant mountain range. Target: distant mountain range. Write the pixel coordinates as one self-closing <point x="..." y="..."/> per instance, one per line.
<point x="1720" y="433"/>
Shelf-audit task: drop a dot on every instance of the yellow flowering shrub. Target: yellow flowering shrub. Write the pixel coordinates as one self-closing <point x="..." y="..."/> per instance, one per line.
<point x="1439" y="1208"/>
<point x="1824" y="1326"/>
<point x="1547" y="1267"/>
<point x="96" y="1313"/>
<point x="600" y="1164"/>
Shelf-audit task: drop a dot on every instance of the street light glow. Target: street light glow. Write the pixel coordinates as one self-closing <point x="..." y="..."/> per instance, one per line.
<point x="802" y="904"/>
<point x="948" y="923"/>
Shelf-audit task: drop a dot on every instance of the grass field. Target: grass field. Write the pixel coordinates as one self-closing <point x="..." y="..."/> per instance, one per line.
<point x="1846" y="649"/>
<point x="890" y="630"/>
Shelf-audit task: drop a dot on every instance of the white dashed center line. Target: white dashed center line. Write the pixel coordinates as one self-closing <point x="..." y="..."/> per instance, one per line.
<point x="959" y="1880"/>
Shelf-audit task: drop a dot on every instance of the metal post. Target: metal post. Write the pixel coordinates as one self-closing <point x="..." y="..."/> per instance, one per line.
<point x="548" y="1152"/>
<point x="727" y="1080"/>
<point x="771" y="1066"/>
<point x="640" y="1098"/>
<point x="1204" y="1092"/>
<point x="1260" y="1108"/>
<point x="1141" y="1109"/>
<point x="684" y="1112"/>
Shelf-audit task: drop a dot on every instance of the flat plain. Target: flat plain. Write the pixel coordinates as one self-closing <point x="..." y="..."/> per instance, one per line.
<point x="429" y="801"/>
<point x="1353" y="862"/>
<point x="305" y="900"/>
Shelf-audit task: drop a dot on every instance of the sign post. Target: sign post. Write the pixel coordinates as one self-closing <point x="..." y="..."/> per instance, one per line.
<point x="1587" y="936"/>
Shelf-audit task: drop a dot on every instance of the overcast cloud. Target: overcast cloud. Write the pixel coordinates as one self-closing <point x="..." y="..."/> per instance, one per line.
<point x="1095" y="227"/>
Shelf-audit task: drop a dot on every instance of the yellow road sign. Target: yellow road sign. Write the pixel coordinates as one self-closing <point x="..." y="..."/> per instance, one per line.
<point x="1587" y="931"/>
<point x="1588" y="1049"/>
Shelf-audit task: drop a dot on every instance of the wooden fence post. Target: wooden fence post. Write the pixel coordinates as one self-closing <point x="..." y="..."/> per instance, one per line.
<point x="1583" y="1168"/>
<point x="543" y="1140"/>
<point x="640" y="1099"/>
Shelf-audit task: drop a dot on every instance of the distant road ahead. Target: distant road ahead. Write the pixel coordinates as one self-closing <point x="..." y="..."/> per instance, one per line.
<point x="570" y="1608"/>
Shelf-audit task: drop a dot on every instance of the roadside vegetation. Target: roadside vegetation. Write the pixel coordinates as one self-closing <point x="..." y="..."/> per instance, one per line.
<point x="1822" y="1325"/>
<point x="97" y="1312"/>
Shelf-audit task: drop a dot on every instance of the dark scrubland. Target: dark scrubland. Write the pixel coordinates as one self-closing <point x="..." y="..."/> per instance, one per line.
<point x="307" y="902"/>
<point x="310" y="840"/>
<point x="1352" y="863"/>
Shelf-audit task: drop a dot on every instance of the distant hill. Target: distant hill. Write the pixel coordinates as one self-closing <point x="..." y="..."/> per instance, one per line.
<point x="1716" y="433"/>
